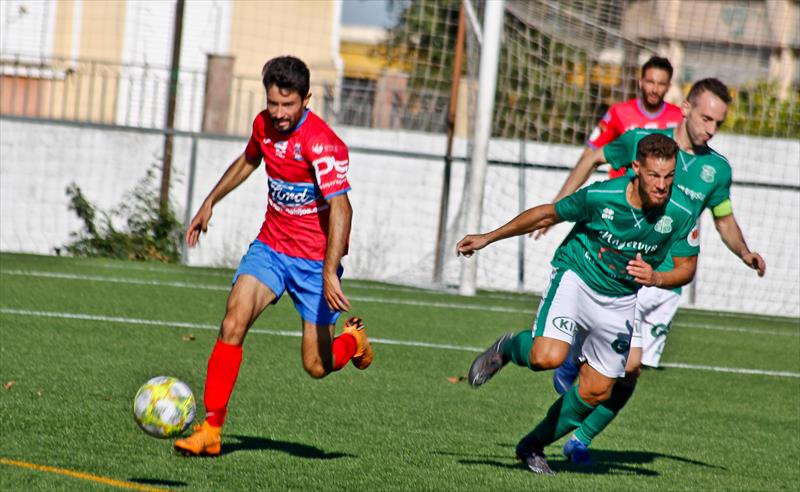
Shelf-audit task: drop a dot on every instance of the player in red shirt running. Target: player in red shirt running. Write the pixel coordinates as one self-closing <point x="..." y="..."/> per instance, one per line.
<point x="646" y="111"/>
<point x="298" y="250"/>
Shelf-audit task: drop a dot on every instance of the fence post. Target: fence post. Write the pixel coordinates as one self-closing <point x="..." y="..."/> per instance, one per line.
<point x="174" y="73"/>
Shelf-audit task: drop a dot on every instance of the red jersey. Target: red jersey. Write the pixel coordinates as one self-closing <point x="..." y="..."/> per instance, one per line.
<point x="305" y="168"/>
<point x="628" y="115"/>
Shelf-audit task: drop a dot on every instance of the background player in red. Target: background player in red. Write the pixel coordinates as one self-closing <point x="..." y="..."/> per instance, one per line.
<point x="648" y="110"/>
<point x="298" y="250"/>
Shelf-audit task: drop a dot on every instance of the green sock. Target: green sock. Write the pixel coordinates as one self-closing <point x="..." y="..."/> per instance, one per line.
<point x="518" y="349"/>
<point x="565" y="414"/>
<point x="599" y="419"/>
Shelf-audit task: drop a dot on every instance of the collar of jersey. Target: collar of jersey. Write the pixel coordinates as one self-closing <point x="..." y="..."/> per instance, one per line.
<point x="647" y="113"/>
<point x="298" y="125"/>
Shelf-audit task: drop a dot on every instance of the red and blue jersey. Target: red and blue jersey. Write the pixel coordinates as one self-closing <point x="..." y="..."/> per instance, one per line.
<point x="305" y="168"/>
<point x="628" y="115"/>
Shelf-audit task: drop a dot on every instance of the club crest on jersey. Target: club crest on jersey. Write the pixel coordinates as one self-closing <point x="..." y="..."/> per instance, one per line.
<point x="298" y="153"/>
<point x="608" y="214"/>
<point x="280" y="148"/>
<point x="707" y="174"/>
<point x="664" y="225"/>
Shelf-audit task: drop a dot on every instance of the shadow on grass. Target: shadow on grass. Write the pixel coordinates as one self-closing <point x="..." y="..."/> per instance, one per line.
<point x="156" y="481"/>
<point x="250" y="443"/>
<point x="606" y="462"/>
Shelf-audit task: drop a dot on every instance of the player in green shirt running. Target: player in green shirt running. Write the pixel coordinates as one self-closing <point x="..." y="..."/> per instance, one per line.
<point x="704" y="176"/>
<point x="622" y="227"/>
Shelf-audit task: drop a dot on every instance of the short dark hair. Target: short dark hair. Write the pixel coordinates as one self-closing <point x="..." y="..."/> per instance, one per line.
<point x="658" y="62"/>
<point x="714" y="86"/>
<point x="288" y="73"/>
<point x="656" y="145"/>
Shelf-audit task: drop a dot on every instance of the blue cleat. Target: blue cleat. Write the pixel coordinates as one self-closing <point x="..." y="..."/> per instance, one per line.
<point x="565" y="375"/>
<point x="577" y="452"/>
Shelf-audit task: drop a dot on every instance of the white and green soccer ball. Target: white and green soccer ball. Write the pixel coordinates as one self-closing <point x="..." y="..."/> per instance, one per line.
<point x="164" y="407"/>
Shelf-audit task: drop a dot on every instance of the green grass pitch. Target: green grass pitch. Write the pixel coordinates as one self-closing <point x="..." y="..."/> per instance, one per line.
<point x="79" y="336"/>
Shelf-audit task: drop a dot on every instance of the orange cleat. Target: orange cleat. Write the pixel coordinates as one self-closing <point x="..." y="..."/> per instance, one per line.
<point x="206" y="441"/>
<point x="363" y="356"/>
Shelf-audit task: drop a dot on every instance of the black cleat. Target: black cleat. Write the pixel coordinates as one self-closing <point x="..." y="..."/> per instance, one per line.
<point x="488" y="363"/>
<point x="533" y="459"/>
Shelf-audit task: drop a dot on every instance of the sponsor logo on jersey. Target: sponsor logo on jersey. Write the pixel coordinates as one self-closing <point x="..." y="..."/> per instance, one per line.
<point x="664" y="225"/>
<point x="317" y="148"/>
<point x="694" y="195"/>
<point x="565" y="325"/>
<point x="694" y="237"/>
<point x="284" y="196"/>
<point x="280" y="148"/>
<point x="622" y="344"/>
<point x="619" y="244"/>
<point x="608" y="214"/>
<point x="707" y="174"/>
<point x="298" y="152"/>
<point x="266" y="141"/>
<point x="328" y="164"/>
<point x="595" y="134"/>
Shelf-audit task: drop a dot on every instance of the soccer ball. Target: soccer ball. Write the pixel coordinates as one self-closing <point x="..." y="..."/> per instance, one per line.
<point x="164" y="407"/>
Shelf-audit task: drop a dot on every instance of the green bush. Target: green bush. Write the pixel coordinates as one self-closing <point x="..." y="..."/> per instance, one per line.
<point x="148" y="234"/>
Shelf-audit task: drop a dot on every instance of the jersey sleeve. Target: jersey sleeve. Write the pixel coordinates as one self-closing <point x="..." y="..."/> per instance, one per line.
<point x="688" y="244"/>
<point x="330" y="159"/>
<point x="253" y="150"/>
<point x="607" y="130"/>
<point x="574" y="207"/>
<point x="622" y="151"/>
<point x="721" y="192"/>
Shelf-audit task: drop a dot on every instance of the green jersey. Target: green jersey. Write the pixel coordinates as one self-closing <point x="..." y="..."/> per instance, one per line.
<point x="609" y="232"/>
<point x="704" y="177"/>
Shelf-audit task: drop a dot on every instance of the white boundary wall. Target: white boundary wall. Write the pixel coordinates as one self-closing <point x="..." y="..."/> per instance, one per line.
<point x="396" y="202"/>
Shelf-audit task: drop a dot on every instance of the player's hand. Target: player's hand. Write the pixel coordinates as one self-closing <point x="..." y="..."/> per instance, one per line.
<point x="539" y="233"/>
<point x="756" y="262"/>
<point x="470" y="244"/>
<point x="641" y="271"/>
<point x="332" y="290"/>
<point x="198" y="224"/>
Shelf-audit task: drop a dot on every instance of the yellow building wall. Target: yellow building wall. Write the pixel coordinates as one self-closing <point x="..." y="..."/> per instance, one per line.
<point x="261" y="30"/>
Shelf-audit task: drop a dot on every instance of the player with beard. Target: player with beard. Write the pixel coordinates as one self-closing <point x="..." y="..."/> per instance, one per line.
<point x="622" y="227"/>
<point x="303" y="238"/>
<point x="704" y="176"/>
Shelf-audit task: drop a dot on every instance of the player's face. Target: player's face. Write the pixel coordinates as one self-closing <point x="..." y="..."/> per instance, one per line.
<point x="704" y="117"/>
<point x="285" y="107"/>
<point x="656" y="175"/>
<point x="654" y="86"/>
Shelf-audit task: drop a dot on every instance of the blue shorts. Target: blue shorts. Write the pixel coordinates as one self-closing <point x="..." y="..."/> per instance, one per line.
<point x="300" y="277"/>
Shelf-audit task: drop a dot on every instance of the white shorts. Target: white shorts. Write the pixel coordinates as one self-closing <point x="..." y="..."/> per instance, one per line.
<point x="569" y="306"/>
<point x="655" y="309"/>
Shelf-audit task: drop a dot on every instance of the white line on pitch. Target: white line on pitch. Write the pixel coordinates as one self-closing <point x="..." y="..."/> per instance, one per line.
<point x="377" y="300"/>
<point x="385" y="341"/>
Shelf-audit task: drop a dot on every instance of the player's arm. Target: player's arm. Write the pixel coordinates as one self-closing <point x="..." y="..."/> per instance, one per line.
<point x="236" y="173"/>
<point x="526" y="222"/>
<point x="339" y="223"/>
<point x="589" y="161"/>
<point x="681" y="274"/>
<point x="731" y="235"/>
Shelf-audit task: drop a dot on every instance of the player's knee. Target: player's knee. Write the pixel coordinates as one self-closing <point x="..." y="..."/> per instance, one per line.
<point x="594" y="394"/>
<point x="232" y="331"/>
<point x="545" y="358"/>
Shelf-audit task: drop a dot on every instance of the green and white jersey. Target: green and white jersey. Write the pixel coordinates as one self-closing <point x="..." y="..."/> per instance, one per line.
<point x="705" y="178"/>
<point x="609" y="232"/>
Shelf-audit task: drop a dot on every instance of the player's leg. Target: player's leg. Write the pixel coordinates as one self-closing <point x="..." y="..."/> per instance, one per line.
<point x="554" y="331"/>
<point x="565" y="414"/>
<point x="321" y="351"/>
<point x="256" y="284"/>
<point x="656" y="323"/>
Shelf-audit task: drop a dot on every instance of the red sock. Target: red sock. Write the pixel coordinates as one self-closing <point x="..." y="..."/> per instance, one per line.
<point x="344" y="346"/>
<point x="223" y="367"/>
